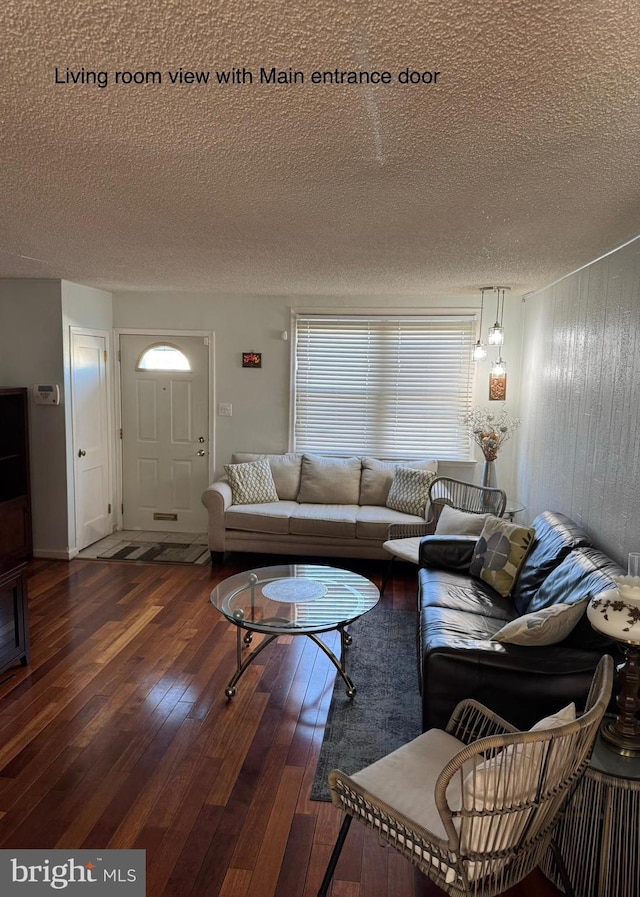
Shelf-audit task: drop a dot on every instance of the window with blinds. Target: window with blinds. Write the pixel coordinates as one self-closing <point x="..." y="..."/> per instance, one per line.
<point x="390" y="387"/>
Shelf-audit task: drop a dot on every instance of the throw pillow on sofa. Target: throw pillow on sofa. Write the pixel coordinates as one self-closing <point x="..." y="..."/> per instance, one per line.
<point x="251" y="483"/>
<point x="377" y="477"/>
<point x="453" y="522"/>
<point x="409" y="491"/>
<point x="329" y="481"/>
<point x="500" y="553"/>
<point x="547" y="626"/>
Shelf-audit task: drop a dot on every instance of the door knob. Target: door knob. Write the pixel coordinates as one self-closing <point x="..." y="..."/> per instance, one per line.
<point x="81" y="453"/>
<point x="200" y="453"/>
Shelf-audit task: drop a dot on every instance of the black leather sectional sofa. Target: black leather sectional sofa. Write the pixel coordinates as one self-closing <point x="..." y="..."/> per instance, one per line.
<point x="458" y="615"/>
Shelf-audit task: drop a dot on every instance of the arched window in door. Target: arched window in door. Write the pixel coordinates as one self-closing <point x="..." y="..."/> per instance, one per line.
<point x="162" y="357"/>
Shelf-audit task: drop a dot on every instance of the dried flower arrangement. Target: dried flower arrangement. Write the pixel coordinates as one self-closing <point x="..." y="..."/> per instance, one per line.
<point x="489" y="430"/>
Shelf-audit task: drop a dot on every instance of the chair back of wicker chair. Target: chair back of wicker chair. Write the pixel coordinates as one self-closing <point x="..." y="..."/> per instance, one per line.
<point x="464" y="497"/>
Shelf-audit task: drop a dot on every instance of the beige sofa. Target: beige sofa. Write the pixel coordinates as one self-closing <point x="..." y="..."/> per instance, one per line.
<point x="333" y="507"/>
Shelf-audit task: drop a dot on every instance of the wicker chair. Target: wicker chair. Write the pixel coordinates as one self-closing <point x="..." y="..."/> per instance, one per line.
<point x="474" y="807"/>
<point x="404" y="539"/>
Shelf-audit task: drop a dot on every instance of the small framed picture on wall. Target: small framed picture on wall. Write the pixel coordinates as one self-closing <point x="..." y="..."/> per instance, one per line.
<point x="252" y="359"/>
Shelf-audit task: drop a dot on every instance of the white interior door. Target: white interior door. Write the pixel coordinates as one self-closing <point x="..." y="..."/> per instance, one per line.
<point x="165" y="435"/>
<point x="90" y="415"/>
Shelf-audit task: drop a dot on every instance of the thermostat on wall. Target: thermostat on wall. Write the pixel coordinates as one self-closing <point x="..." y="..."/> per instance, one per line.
<point x="46" y="394"/>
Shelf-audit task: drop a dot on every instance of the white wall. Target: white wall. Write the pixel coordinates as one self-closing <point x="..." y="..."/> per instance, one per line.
<point x="580" y="444"/>
<point x="30" y="353"/>
<point x="260" y="397"/>
<point x="35" y="316"/>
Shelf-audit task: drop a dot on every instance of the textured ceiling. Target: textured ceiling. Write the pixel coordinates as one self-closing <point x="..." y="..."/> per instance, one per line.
<point x="520" y="164"/>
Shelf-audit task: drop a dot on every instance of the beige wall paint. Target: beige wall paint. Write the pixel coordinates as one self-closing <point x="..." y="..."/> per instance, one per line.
<point x="580" y="442"/>
<point x="260" y="397"/>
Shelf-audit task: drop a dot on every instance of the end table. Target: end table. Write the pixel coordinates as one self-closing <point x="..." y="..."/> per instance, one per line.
<point x="599" y="836"/>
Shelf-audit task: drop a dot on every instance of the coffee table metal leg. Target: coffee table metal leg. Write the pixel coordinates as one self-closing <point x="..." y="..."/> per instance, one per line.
<point x="339" y="665"/>
<point x="230" y="690"/>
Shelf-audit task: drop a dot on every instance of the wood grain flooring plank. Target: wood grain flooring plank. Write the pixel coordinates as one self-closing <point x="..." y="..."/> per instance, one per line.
<point x="263" y="798"/>
<point x="293" y="871"/>
<point x="276" y="833"/>
<point x="179" y="839"/>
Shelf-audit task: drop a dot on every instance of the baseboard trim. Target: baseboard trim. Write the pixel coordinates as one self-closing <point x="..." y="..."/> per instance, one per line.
<point x="55" y="554"/>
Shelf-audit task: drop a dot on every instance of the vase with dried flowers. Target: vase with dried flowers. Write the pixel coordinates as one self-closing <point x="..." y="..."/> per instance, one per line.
<point x="490" y="431"/>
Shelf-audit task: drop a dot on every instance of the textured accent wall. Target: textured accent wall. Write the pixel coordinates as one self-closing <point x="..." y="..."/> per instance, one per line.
<point x="579" y="447"/>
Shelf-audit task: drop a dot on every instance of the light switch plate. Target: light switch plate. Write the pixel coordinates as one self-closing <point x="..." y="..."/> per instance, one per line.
<point x="225" y="409"/>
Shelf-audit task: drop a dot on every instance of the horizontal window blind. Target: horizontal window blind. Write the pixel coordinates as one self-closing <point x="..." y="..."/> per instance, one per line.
<point x="392" y="387"/>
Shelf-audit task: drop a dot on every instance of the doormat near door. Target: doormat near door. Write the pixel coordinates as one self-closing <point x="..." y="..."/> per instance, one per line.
<point x="162" y="552"/>
<point x="386" y="711"/>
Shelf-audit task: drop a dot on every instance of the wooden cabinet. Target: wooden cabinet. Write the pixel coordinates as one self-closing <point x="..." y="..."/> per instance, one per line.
<point x="15" y="526"/>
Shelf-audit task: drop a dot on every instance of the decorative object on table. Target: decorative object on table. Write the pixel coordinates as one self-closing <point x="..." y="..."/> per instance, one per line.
<point x="252" y="359"/>
<point x="616" y="613"/>
<point x="489" y="431"/>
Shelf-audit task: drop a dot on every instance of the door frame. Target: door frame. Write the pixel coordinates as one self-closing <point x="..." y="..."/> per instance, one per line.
<point x="73" y="510"/>
<point x="164" y="334"/>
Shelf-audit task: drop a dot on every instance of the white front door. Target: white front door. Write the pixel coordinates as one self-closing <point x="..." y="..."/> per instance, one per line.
<point x="90" y="415"/>
<point x="165" y="436"/>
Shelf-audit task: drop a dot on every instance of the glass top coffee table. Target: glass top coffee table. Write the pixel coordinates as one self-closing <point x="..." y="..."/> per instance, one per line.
<point x="293" y="599"/>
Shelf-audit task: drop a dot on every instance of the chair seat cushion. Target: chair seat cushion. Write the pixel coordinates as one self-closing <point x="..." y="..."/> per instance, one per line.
<point x="405" y="549"/>
<point x="406" y="778"/>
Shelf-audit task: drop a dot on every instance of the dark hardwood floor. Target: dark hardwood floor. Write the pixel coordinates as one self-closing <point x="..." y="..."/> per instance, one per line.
<point x="119" y="735"/>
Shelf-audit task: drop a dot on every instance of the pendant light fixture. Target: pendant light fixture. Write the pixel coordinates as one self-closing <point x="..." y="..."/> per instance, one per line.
<point x="479" y="351"/>
<point x="496" y="333"/>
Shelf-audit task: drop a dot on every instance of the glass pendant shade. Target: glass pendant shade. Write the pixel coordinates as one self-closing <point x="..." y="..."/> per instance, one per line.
<point x="499" y="368"/>
<point x="479" y="352"/>
<point x="496" y="335"/>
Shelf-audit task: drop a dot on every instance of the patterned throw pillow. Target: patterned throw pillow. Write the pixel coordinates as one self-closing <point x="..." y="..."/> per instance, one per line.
<point x="251" y="483"/>
<point x="500" y="552"/>
<point x="547" y="626"/>
<point x="410" y="490"/>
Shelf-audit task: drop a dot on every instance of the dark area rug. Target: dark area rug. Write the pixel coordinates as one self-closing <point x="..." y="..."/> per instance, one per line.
<point x="163" y="552"/>
<point x="386" y="711"/>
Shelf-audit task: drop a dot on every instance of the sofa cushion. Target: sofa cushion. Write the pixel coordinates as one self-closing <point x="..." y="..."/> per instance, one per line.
<point x="452" y="522"/>
<point x="500" y="552"/>
<point x="556" y="536"/>
<point x="324" y="520"/>
<point x="547" y="626"/>
<point x="373" y="522"/>
<point x="583" y="574"/>
<point x="251" y="483"/>
<point x="458" y="592"/>
<point x="329" y="480"/>
<point x="285" y="470"/>
<point x="272" y="517"/>
<point x="377" y="477"/>
<point x="410" y="490"/>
